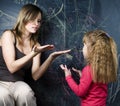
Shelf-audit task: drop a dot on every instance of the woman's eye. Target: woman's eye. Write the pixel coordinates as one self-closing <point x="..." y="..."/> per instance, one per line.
<point x="39" y="21"/>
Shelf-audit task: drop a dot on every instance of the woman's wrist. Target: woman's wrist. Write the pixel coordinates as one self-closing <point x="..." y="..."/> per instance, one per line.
<point x="34" y="52"/>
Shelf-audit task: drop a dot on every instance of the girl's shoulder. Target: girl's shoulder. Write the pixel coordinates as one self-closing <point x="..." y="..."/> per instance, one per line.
<point x="87" y="67"/>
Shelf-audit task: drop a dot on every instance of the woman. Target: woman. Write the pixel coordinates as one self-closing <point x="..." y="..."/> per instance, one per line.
<point x="20" y="51"/>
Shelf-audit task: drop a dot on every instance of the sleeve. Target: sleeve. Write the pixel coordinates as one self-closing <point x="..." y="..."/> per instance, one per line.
<point x="84" y="85"/>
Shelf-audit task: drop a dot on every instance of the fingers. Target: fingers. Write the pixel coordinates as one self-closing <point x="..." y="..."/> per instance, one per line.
<point x="58" y="53"/>
<point x="62" y="52"/>
<point x="46" y="47"/>
<point x="67" y="71"/>
<point x="75" y="69"/>
<point x="43" y="48"/>
<point x="63" y="67"/>
<point x="50" y="47"/>
<point x="66" y="51"/>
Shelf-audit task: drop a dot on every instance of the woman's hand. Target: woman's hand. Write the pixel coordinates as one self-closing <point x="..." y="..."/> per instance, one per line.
<point x="39" y="49"/>
<point x="65" y="69"/>
<point x="43" y="67"/>
<point x="77" y="71"/>
<point x="58" y="53"/>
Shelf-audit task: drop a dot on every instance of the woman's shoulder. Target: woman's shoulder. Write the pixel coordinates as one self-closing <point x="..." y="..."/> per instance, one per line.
<point x="7" y="34"/>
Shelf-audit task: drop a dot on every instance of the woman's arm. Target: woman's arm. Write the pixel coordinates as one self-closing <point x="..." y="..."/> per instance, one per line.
<point x="8" y="50"/>
<point x="42" y="69"/>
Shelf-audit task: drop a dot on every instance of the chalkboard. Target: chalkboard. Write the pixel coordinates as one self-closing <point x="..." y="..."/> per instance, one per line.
<point x="65" y="22"/>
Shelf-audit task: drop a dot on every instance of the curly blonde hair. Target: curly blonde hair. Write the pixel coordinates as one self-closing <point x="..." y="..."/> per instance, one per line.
<point x="102" y="57"/>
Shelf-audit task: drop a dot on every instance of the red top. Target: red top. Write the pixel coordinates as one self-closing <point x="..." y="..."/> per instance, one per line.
<point x="91" y="94"/>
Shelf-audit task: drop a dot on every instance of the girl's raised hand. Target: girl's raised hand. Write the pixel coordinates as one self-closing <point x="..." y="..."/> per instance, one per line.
<point x="77" y="71"/>
<point x="65" y="69"/>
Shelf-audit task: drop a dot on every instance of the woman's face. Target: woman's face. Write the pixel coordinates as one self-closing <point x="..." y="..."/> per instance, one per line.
<point x="33" y="25"/>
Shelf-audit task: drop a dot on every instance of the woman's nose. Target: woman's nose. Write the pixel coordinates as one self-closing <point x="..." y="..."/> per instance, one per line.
<point x="36" y="23"/>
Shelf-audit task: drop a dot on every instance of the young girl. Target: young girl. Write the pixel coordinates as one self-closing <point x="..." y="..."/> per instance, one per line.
<point x="100" y="53"/>
<point x="20" y="52"/>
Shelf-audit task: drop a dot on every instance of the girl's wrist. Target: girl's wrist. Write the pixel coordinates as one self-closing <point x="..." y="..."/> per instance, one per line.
<point x="66" y="75"/>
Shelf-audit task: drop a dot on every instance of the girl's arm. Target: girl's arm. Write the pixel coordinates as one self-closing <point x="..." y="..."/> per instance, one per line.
<point x="85" y="81"/>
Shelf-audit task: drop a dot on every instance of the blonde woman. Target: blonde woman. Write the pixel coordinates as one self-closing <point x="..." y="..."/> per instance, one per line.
<point x="100" y="53"/>
<point x="20" y="52"/>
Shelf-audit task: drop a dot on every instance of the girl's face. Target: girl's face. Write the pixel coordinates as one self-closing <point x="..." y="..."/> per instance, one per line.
<point x="33" y="25"/>
<point x="85" y="51"/>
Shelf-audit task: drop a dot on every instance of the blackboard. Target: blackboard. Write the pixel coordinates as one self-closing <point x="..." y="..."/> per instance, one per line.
<point x="65" y="22"/>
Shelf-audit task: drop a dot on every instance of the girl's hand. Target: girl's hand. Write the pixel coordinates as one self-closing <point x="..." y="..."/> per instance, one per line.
<point x="77" y="71"/>
<point x="39" y="49"/>
<point x="65" y="69"/>
<point x="58" y="53"/>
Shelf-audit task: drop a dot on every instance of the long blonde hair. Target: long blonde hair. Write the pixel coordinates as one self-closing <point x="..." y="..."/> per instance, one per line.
<point x="27" y="13"/>
<point x="102" y="51"/>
